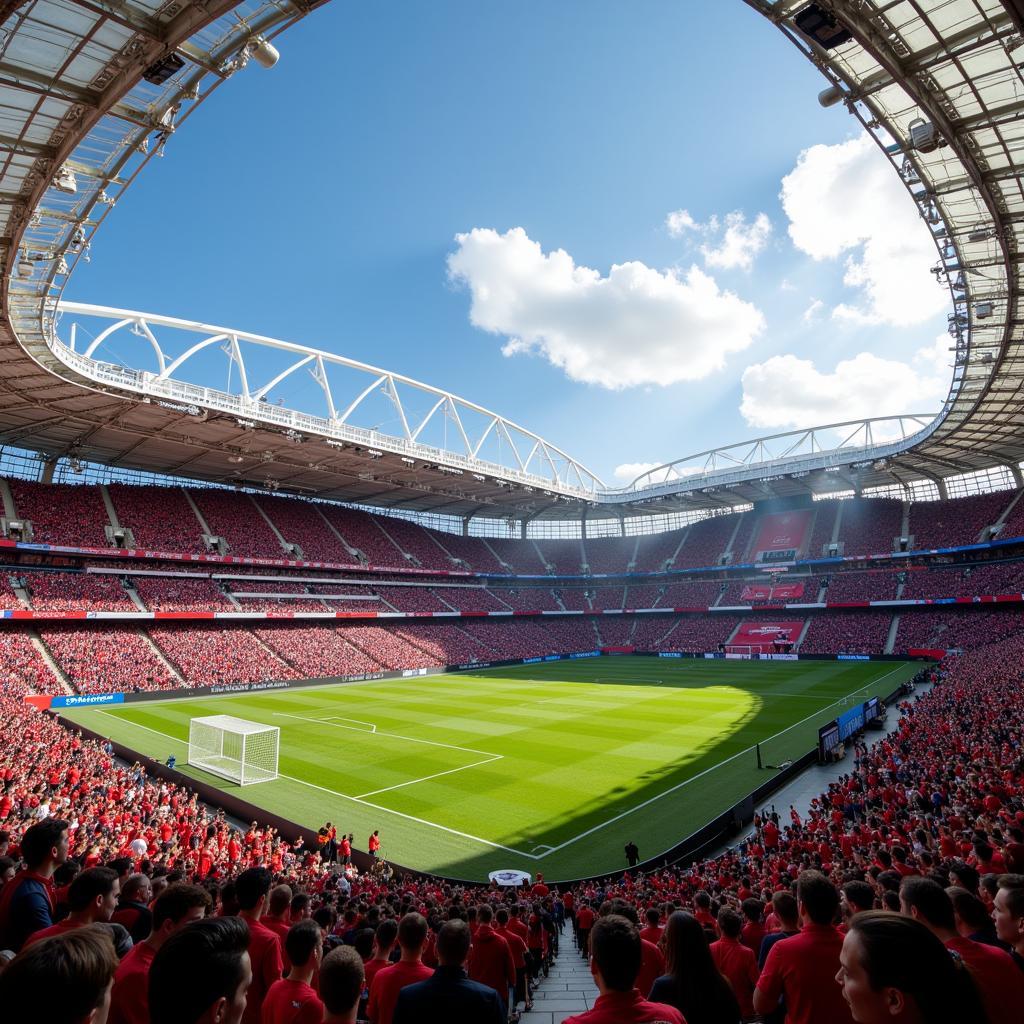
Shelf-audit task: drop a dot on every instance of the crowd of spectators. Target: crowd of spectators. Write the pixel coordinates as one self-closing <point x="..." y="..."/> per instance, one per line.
<point x="160" y="518"/>
<point x="362" y="532"/>
<point x="316" y="651"/>
<point x="412" y="539"/>
<point x="520" y="556"/>
<point x="180" y="594"/>
<point x="944" y="524"/>
<point x="870" y="525"/>
<point x="563" y="557"/>
<point x="847" y="633"/>
<point x="824" y="525"/>
<point x="67" y="591"/>
<point x="953" y="629"/>
<point x="235" y="518"/>
<point x="106" y="659"/>
<point x="300" y="523"/>
<point x="609" y="554"/>
<point x="24" y="669"/>
<point x="878" y="585"/>
<point x="608" y="597"/>
<point x="68" y="514"/>
<point x="208" y="654"/>
<point x="705" y="542"/>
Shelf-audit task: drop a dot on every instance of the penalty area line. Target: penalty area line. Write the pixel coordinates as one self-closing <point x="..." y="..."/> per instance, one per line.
<point x="354" y="799"/>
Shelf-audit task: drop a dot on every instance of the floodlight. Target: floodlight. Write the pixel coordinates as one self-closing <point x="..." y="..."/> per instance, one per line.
<point x="163" y="69"/>
<point x="264" y="53"/>
<point x="822" y="27"/>
<point x="25" y="267"/>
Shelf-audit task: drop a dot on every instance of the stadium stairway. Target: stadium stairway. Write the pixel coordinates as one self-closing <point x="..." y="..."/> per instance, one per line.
<point x="567" y="990"/>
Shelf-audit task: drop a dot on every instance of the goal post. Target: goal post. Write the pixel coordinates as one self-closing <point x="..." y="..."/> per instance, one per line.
<point x="234" y="748"/>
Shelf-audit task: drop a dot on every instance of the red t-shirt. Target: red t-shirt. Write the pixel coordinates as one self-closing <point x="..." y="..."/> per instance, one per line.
<point x="265" y="954"/>
<point x="129" y="1000"/>
<point x="651" y="933"/>
<point x="388" y="983"/>
<point x="804" y="967"/>
<point x="47" y="933"/>
<point x="292" y="1002"/>
<point x="652" y="966"/>
<point x="371" y="969"/>
<point x="490" y="961"/>
<point x="1000" y="981"/>
<point x="584" y="918"/>
<point x="739" y="965"/>
<point x="627" y="1008"/>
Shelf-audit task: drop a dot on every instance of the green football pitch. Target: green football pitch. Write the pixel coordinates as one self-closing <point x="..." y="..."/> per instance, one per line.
<point x="549" y="767"/>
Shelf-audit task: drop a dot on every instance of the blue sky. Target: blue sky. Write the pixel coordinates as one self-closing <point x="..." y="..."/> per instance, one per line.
<point x="395" y="188"/>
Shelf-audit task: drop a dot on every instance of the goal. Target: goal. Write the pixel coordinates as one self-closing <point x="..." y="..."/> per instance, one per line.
<point x="237" y="750"/>
<point x="745" y="650"/>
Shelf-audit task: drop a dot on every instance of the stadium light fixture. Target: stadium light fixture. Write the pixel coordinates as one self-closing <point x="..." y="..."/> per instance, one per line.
<point x="264" y="53"/>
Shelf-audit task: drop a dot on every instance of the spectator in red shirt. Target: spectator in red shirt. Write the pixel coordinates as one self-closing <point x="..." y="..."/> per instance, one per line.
<point x="615" y="956"/>
<point x="801" y="968"/>
<point x="893" y="969"/>
<point x="292" y="999"/>
<point x="384" y="939"/>
<point x="92" y="897"/>
<point x="66" y="978"/>
<point x="373" y="844"/>
<point x="277" y="917"/>
<point x="178" y="905"/>
<point x="652" y="931"/>
<point x="997" y="977"/>
<point x="341" y="985"/>
<point x="693" y="984"/>
<point x="519" y="951"/>
<point x="201" y="974"/>
<point x="389" y="981"/>
<point x="736" y="961"/>
<point x="133" y="906"/>
<point x="753" y="925"/>
<point x="490" y="959"/>
<point x="584" y="922"/>
<point x="251" y="890"/>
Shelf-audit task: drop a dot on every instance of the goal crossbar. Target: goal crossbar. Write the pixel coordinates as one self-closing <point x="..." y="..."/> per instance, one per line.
<point x="234" y="748"/>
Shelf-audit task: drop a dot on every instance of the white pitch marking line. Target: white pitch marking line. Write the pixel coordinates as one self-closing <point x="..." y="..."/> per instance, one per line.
<point x="341" y="718"/>
<point x="345" y="796"/>
<point x="436" y="775"/>
<point x="392" y="735"/>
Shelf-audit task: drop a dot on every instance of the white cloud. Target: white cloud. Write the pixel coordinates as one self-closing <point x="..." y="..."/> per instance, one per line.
<point x="636" y="326"/>
<point x="679" y="222"/>
<point x="730" y="241"/>
<point x="739" y="243"/>
<point x="786" y="391"/>
<point x="629" y="471"/>
<point x="846" y="199"/>
<point x="812" y="314"/>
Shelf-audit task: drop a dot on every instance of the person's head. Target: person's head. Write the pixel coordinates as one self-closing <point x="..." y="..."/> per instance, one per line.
<point x="280" y="900"/>
<point x="301" y="908"/>
<point x="484" y="914"/>
<point x="965" y="876"/>
<point x="969" y="911"/>
<point x="201" y="974"/>
<point x="686" y="945"/>
<point x="178" y="905"/>
<point x="817" y="897"/>
<point x="730" y="924"/>
<point x="137" y="889"/>
<point x="615" y="953"/>
<point x="93" y="894"/>
<point x="501" y="917"/>
<point x="66" y="978"/>
<point x="44" y="846"/>
<point x="926" y="901"/>
<point x="1008" y="910"/>
<point x="652" y="916"/>
<point x="304" y="944"/>
<point x="251" y="889"/>
<point x="341" y="982"/>
<point x="892" y="968"/>
<point x="453" y="943"/>
<point x="412" y="933"/>
<point x="786" y="910"/>
<point x="857" y="896"/>
<point x="386" y="936"/>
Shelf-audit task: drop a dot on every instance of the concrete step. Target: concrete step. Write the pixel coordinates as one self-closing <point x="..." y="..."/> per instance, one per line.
<point x="567" y="990"/>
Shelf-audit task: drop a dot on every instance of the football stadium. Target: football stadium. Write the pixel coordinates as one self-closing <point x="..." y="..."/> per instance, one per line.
<point x="318" y="657"/>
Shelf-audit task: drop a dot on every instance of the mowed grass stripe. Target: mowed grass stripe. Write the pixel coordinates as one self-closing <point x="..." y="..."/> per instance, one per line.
<point x="573" y="753"/>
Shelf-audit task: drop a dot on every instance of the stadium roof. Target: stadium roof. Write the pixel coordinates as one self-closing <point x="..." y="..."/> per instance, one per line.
<point x="92" y="90"/>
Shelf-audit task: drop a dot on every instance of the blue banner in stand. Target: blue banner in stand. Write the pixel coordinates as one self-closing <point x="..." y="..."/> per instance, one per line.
<point x="670" y="654"/>
<point x="86" y="700"/>
<point x="851" y="721"/>
<point x="586" y="654"/>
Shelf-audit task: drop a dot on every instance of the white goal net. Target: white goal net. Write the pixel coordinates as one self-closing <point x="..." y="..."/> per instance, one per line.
<point x="233" y="748"/>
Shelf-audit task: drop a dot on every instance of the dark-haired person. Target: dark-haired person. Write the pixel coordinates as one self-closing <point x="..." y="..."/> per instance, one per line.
<point x="201" y="974"/>
<point x="389" y="981"/>
<point x="801" y="968"/>
<point x="735" y="961"/>
<point x="384" y="939"/>
<point x="92" y="898"/>
<point x="855" y="897"/>
<point x="448" y="996"/>
<point x="652" y="960"/>
<point x="490" y="960"/>
<point x="973" y="919"/>
<point x="1008" y="912"/>
<point x="693" y="984"/>
<point x="65" y="979"/>
<point x="341" y="984"/>
<point x="787" y="914"/>
<point x="178" y="905"/>
<point x="26" y="901"/>
<point x="517" y="947"/>
<point x="615" y="956"/>
<point x="251" y="890"/>
<point x="893" y="970"/>
<point x="292" y="999"/>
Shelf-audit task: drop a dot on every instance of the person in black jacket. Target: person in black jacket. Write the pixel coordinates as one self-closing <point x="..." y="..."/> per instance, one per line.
<point x="632" y="854"/>
<point x="449" y="996"/>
